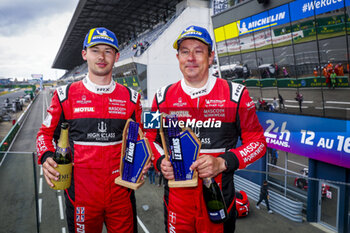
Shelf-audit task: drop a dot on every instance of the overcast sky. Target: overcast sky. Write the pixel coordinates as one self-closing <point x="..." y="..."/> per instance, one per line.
<point x="31" y="32"/>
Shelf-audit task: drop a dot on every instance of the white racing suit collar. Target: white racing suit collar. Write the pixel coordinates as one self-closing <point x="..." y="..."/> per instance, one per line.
<point x="98" y="89"/>
<point x="198" y="92"/>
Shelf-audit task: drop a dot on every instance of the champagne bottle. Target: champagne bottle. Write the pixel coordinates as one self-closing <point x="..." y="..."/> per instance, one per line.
<point x="63" y="158"/>
<point x="214" y="201"/>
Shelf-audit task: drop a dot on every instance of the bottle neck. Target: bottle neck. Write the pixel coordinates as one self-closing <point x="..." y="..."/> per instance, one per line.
<point x="63" y="140"/>
<point x="208" y="181"/>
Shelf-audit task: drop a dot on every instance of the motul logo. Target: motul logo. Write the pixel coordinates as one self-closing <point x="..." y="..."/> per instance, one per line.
<point x="84" y="109"/>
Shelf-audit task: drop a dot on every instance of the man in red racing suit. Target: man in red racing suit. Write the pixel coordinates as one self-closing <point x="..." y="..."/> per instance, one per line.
<point x="222" y="112"/>
<point x="96" y="115"/>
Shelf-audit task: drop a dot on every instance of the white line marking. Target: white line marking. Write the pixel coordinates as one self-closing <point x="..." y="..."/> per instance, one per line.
<point x="331" y="107"/>
<point x="301" y="165"/>
<point x="294" y="106"/>
<point x="336" y="102"/>
<point x="40" y="205"/>
<point x="41" y="169"/>
<point x="63" y="230"/>
<point x="61" y="207"/>
<point x="43" y="115"/>
<point x="142" y="225"/>
<point x="304" y="102"/>
<point x="40" y="185"/>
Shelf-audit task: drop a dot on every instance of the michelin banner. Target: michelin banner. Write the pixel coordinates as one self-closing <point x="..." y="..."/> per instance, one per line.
<point x="266" y="19"/>
<point x="322" y="139"/>
<point x="299" y="9"/>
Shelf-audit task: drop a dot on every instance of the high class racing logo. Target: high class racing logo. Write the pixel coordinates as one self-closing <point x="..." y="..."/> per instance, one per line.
<point x="102" y="133"/>
<point x="152" y="120"/>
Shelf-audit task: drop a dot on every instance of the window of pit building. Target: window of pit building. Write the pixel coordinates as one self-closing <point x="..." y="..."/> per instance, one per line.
<point x="304" y="40"/>
<point x="288" y="174"/>
<point x="332" y="41"/>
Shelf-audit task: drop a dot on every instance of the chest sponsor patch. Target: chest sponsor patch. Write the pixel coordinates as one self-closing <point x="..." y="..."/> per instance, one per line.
<point x="84" y="109"/>
<point x="117" y="110"/>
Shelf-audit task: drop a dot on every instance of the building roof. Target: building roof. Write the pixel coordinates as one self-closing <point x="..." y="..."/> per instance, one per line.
<point x="125" y="18"/>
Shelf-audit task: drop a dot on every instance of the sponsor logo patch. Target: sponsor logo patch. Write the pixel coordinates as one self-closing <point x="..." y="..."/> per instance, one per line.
<point x="84" y="109"/>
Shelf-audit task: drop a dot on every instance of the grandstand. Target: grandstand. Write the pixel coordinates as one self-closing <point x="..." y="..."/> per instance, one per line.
<point x="156" y="24"/>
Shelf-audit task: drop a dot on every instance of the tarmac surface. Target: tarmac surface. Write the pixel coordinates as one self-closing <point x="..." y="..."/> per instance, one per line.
<point x="150" y="196"/>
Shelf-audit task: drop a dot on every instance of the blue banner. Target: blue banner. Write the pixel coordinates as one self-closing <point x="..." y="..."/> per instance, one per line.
<point x="266" y="19"/>
<point x="302" y="9"/>
<point x="281" y="13"/>
<point x="243" y="26"/>
<point x="322" y="139"/>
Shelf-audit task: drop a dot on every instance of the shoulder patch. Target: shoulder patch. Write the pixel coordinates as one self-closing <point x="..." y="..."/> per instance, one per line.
<point x="133" y="95"/>
<point x="237" y="90"/>
<point x="62" y="93"/>
<point x="161" y="94"/>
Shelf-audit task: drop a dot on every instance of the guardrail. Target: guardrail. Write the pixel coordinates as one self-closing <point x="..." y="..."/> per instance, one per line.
<point x="320" y="81"/>
<point x="280" y="204"/>
<point x="6" y="142"/>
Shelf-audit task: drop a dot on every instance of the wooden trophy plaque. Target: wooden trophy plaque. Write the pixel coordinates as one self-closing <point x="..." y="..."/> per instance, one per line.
<point x="181" y="148"/>
<point x="135" y="154"/>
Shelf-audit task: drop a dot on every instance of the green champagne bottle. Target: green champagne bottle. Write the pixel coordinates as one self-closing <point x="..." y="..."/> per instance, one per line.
<point x="214" y="201"/>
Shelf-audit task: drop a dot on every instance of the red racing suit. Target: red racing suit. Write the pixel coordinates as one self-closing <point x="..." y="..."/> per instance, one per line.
<point x="96" y="116"/>
<point x="224" y="112"/>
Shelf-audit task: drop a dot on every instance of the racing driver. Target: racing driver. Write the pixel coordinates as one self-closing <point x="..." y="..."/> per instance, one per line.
<point x="96" y="109"/>
<point x="223" y="112"/>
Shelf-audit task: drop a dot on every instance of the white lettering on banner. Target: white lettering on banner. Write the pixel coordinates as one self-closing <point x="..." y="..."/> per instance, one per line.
<point x="310" y="6"/>
<point x="267" y="20"/>
<point x="341" y="143"/>
<point x="346" y="144"/>
<point x="271" y="133"/>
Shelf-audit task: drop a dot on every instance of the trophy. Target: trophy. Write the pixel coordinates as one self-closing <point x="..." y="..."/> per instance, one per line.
<point x="181" y="148"/>
<point x="135" y="155"/>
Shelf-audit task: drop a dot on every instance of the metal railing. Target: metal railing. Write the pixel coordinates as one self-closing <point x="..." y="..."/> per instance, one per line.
<point x="280" y="204"/>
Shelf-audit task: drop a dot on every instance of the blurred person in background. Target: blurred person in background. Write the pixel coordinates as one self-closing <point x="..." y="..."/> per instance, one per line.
<point x="264" y="196"/>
